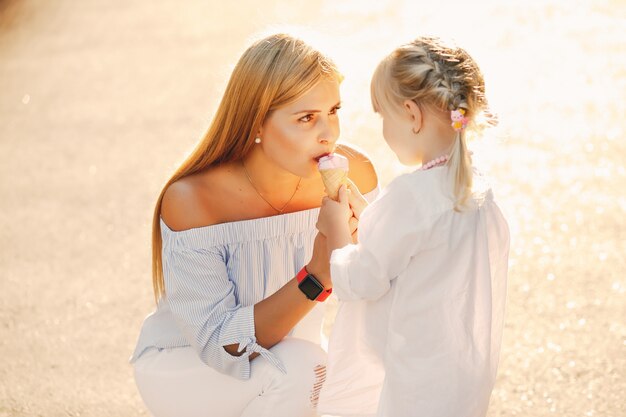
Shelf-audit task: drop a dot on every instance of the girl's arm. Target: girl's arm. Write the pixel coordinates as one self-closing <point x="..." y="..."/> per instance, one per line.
<point x="391" y="230"/>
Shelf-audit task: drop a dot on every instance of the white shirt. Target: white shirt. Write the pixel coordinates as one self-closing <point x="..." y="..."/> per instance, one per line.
<point x="424" y="339"/>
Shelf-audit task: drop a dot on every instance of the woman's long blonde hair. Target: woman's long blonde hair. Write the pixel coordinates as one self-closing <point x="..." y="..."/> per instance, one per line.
<point x="271" y="73"/>
<point x="441" y="77"/>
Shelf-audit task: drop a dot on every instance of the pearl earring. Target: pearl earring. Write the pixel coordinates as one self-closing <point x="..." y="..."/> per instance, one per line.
<point x="257" y="140"/>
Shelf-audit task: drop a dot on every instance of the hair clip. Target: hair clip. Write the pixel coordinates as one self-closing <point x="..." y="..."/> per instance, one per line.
<point x="459" y="121"/>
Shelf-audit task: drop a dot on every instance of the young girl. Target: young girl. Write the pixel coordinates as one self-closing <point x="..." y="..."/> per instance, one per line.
<point x="431" y="262"/>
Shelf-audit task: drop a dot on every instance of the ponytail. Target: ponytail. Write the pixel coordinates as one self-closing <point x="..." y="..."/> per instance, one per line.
<point x="461" y="174"/>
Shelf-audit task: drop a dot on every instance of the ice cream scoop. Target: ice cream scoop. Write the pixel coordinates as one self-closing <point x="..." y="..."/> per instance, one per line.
<point x="334" y="170"/>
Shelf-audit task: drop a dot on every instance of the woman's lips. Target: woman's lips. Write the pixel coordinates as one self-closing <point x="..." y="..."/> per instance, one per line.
<point x="317" y="158"/>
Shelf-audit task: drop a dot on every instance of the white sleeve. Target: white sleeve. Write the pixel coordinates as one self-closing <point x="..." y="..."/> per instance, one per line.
<point x="202" y="300"/>
<point x="390" y="232"/>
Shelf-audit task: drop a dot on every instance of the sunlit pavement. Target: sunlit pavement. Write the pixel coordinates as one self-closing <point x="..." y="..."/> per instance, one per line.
<point x="101" y="100"/>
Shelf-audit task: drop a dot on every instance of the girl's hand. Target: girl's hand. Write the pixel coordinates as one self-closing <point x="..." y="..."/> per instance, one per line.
<point x="334" y="216"/>
<point x="356" y="199"/>
<point x="354" y="229"/>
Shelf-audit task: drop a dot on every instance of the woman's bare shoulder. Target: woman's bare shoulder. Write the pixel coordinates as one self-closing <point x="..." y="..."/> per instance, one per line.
<point x="362" y="171"/>
<point x="191" y="201"/>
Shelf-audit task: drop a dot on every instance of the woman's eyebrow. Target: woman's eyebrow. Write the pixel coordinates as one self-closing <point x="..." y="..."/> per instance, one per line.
<point x="316" y="111"/>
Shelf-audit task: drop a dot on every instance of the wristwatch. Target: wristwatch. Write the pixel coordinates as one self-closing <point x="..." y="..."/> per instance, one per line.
<point x="311" y="287"/>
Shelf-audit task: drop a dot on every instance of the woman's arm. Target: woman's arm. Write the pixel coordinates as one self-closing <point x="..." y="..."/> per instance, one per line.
<point x="276" y="315"/>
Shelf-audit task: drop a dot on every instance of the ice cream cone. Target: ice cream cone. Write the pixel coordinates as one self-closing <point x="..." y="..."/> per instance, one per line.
<point x="333" y="179"/>
<point x="334" y="171"/>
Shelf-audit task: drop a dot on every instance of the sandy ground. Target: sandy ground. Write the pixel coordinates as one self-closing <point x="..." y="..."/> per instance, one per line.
<point x="100" y="100"/>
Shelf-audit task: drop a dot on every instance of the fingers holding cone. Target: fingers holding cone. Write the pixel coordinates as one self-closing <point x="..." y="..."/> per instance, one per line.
<point x="343" y="195"/>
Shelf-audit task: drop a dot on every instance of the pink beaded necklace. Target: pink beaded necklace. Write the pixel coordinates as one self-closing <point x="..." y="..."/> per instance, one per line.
<point x="435" y="162"/>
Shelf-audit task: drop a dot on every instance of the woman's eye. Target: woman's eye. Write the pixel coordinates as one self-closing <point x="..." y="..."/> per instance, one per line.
<point x="334" y="111"/>
<point x="306" y="118"/>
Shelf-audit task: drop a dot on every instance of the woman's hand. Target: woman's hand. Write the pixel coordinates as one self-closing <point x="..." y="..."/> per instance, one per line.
<point x="356" y="199"/>
<point x="334" y="215"/>
<point x="334" y="220"/>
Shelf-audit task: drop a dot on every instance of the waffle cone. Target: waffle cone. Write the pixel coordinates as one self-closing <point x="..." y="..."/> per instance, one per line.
<point x="333" y="179"/>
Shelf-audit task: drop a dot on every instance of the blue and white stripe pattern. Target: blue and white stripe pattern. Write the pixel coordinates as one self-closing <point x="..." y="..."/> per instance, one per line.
<point x="213" y="277"/>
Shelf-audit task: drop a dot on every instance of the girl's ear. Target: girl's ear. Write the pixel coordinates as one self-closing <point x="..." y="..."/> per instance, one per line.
<point x="414" y="113"/>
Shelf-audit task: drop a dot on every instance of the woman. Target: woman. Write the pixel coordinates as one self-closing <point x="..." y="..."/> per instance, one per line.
<point x="234" y="235"/>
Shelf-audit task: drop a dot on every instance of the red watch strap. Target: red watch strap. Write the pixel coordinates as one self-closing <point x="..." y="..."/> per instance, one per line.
<point x="301" y="274"/>
<point x="323" y="295"/>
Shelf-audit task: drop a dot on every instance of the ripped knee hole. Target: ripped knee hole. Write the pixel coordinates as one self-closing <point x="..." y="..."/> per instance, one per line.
<point x="320" y="377"/>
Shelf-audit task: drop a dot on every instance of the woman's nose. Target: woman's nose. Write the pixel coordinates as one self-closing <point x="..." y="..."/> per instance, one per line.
<point x="328" y="140"/>
<point x="329" y="134"/>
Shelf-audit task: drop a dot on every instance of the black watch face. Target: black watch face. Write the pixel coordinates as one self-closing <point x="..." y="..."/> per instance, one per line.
<point x="310" y="288"/>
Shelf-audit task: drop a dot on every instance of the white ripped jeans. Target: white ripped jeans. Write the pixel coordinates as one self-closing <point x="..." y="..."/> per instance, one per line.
<point x="176" y="383"/>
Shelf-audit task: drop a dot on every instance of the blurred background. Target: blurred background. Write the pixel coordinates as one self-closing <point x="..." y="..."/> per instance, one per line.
<point x="101" y="100"/>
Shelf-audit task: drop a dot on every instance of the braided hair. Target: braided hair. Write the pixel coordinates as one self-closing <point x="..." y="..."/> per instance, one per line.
<point x="440" y="77"/>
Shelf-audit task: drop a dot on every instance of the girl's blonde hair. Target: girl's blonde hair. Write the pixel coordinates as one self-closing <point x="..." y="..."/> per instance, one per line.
<point x="271" y="73"/>
<point x="439" y="77"/>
